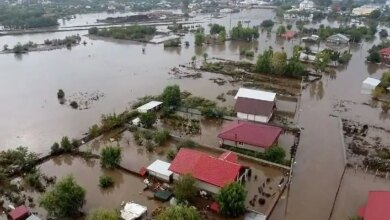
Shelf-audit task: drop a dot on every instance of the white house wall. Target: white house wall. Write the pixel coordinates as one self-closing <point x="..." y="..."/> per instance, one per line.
<point x="250" y="117"/>
<point x="159" y="175"/>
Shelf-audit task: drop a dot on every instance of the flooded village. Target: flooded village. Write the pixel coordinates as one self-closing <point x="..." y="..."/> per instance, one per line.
<point x="161" y="110"/>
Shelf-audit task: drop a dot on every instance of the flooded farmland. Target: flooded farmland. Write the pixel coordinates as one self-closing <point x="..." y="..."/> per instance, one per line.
<point x="32" y="116"/>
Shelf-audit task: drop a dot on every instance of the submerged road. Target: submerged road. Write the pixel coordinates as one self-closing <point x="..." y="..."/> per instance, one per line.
<point x="320" y="160"/>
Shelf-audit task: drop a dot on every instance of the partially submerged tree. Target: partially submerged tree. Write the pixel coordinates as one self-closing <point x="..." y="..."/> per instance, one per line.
<point x="64" y="200"/>
<point x="184" y="188"/>
<point x="148" y="119"/>
<point x="60" y="94"/>
<point x="110" y="157"/>
<point x="103" y="214"/>
<point x="171" y="97"/>
<point x="275" y="154"/>
<point x="231" y="199"/>
<point x="179" y="212"/>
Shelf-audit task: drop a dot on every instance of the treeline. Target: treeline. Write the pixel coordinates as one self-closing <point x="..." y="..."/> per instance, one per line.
<point x="271" y="62"/>
<point x="25" y="17"/>
<point x="356" y="34"/>
<point x="134" y="32"/>
<point x="373" y="52"/>
<point x="244" y="33"/>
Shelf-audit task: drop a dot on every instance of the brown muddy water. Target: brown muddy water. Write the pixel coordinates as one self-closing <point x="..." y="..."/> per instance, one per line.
<point x="32" y="116"/>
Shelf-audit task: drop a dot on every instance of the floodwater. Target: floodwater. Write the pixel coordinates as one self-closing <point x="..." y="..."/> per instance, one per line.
<point x="32" y="116"/>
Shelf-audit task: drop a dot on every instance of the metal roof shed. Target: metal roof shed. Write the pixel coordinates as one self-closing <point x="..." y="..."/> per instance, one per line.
<point x="255" y="94"/>
<point x="160" y="169"/>
<point x="132" y="211"/>
<point x="33" y="217"/>
<point x="369" y="84"/>
<point x="152" y="105"/>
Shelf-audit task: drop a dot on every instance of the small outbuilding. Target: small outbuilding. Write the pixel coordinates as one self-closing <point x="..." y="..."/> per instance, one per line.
<point x="369" y="84"/>
<point x="385" y="55"/>
<point x="338" y="39"/>
<point x="132" y="211"/>
<point x="150" y="106"/>
<point x="33" y="217"/>
<point x="160" y="169"/>
<point x="19" y="213"/>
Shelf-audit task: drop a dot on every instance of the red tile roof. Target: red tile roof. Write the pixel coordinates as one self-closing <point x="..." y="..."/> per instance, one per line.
<point x="377" y="207"/>
<point x="385" y="51"/>
<point x="208" y="169"/>
<point x="259" y="135"/>
<point x="289" y="34"/>
<point x="19" y="213"/>
<point x="229" y="156"/>
<point x="254" y="106"/>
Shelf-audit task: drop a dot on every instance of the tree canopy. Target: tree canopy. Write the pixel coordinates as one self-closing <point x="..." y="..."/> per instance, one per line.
<point x="246" y="34"/>
<point x="184" y="188"/>
<point x="179" y="212"/>
<point x="216" y="29"/>
<point x="110" y="157"/>
<point x="103" y="214"/>
<point x="171" y="96"/>
<point x="231" y="199"/>
<point x="65" y="199"/>
<point x="147" y="119"/>
<point x="275" y="154"/>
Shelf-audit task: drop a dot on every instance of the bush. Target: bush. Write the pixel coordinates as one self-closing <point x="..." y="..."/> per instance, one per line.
<point x="161" y="137"/>
<point x="231" y="199"/>
<point x="34" y="181"/>
<point x="55" y="149"/>
<point x="179" y="212"/>
<point x="103" y="214"/>
<point x="267" y="24"/>
<point x="110" y="157"/>
<point x="60" y="94"/>
<point x="171" y="154"/>
<point x="148" y="119"/>
<point x="94" y="131"/>
<point x="74" y="104"/>
<point x="149" y="146"/>
<point x="184" y="188"/>
<point x="275" y="154"/>
<point x="105" y="181"/>
<point x="378" y="92"/>
<point x="66" y="145"/>
<point x="385" y="107"/>
<point x="187" y="143"/>
<point x="65" y="200"/>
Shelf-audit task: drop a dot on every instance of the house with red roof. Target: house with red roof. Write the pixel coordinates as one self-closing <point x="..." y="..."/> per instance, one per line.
<point x="19" y="213"/>
<point x="289" y="35"/>
<point x="251" y="136"/>
<point x="377" y="207"/>
<point x="255" y="105"/>
<point x="211" y="173"/>
<point x="385" y="55"/>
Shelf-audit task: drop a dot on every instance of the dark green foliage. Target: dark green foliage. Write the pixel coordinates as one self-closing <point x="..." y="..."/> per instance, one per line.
<point x="216" y="29"/>
<point x="199" y="38"/>
<point x="111" y="121"/>
<point x="60" y="94"/>
<point x="134" y="32"/>
<point x="184" y="188"/>
<point x="171" y="154"/>
<point x="34" y="180"/>
<point x="267" y="24"/>
<point x="147" y="119"/>
<point x="179" y="212"/>
<point x="18" y="160"/>
<point x="188" y="143"/>
<point x="231" y="199"/>
<point x="263" y="64"/>
<point x="356" y="34"/>
<point x="93" y="30"/>
<point x="383" y="33"/>
<point x="275" y="154"/>
<point x="66" y="146"/>
<point x="103" y="214"/>
<point x="171" y="97"/>
<point x="19" y="48"/>
<point x="105" y="181"/>
<point x="244" y="33"/>
<point x="64" y="200"/>
<point x="173" y="43"/>
<point x="55" y="149"/>
<point x="385" y="80"/>
<point x="373" y="52"/>
<point x="161" y="137"/>
<point x="110" y="157"/>
<point x="20" y="17"/>
<point x="94" y="131"/>
<point x="74" y="104"/>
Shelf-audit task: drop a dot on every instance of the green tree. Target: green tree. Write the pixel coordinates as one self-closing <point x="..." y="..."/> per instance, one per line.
<point x="171" y="96"/>
<point x="374" y="57"/>
<point x="199" y="38"/>
<point x="66" y="145"/>
<point x="205" y="55"/>
<point x="231" y="199"/>
<point x="281" y="30"/>
<point x="193" y="59"/>
<point x="216" y="29"/>
<point x="105" y="181"/>
<point x="60" y="94"/>
<point x="148" y="119"/>
<point x="65" y="199"/>
<point x="355" y="218"/>
<point x="103" y="214"/>
<point x="184" y="188"/>
<point x="321" y="61"/>
<point x="263" y="64"/>
<point x="93" y="30"/>
<point x="267" y="23"/>
<point x="275" y="154"/>
<point x="385" y="80"/>
<point x="179" y="212"/>
<point x="55" y="148"/>
<point x="245" y="34"/>
<point x="279" y="62"/>
<point x="110" y="157"/>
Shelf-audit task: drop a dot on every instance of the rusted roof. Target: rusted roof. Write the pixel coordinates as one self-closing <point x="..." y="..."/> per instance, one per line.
<point x="254" y="106"/>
